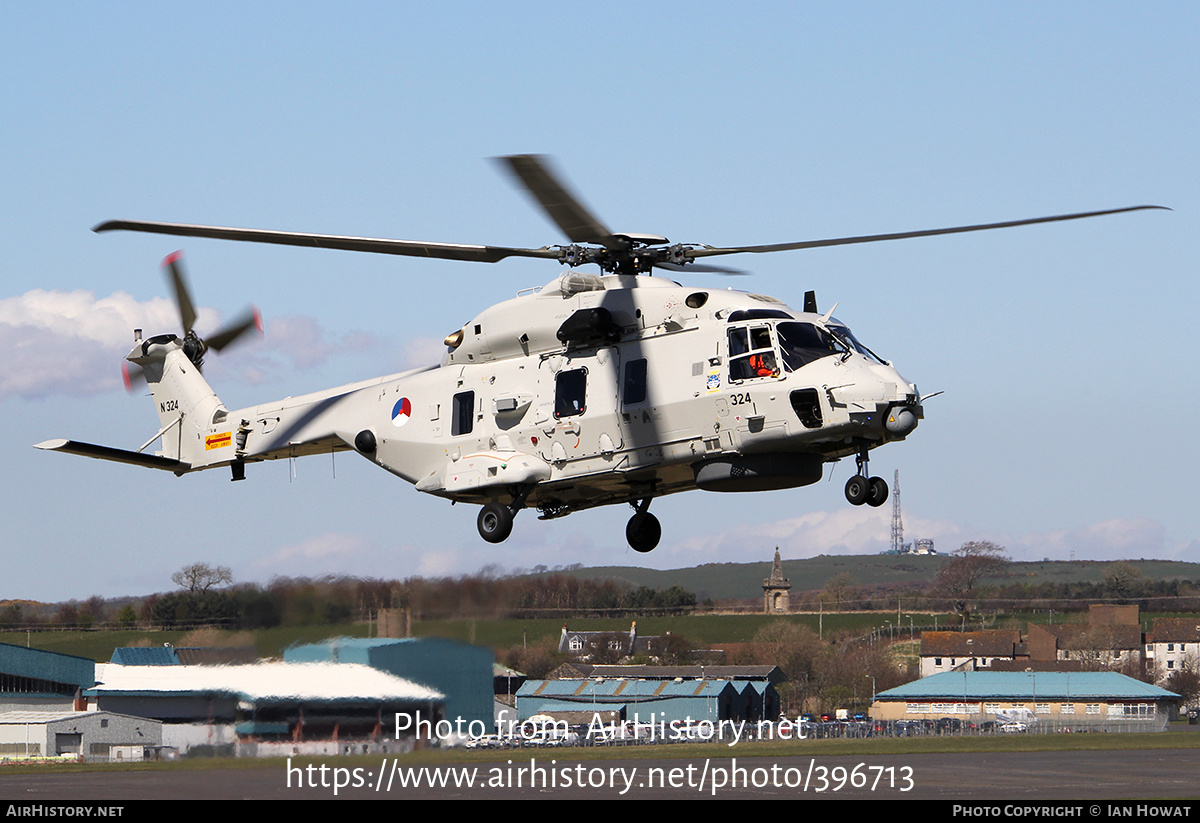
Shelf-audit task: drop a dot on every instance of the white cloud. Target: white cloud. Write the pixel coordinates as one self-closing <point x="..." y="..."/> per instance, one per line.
<point x="419" y="352"/>
<point x="74" y="343"/>
<point x="71" y="342"/>
<point x="1119" y="539"/>
<point x="304" y="342"/>
<point x="868" y="531"/>
<point x="442" y="563"/>
<point x="843" y="531"/>
<point x="303" y="558"/>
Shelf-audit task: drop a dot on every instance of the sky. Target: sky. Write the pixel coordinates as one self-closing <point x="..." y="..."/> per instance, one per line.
<point x="1065" y="352"/>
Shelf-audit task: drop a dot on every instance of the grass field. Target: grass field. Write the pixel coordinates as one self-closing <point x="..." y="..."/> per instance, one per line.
<point x="703" y="630"/>
<point x="500" y="634"/>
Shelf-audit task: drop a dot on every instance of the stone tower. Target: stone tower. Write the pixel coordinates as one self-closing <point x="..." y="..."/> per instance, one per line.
<point x="777" y="589"/>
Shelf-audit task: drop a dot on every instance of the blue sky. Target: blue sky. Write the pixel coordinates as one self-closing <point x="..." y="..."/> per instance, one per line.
<point x="1066" y="352"/>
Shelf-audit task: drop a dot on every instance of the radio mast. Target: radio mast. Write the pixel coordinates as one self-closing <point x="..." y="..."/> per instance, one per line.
<point x="897" y="523"/>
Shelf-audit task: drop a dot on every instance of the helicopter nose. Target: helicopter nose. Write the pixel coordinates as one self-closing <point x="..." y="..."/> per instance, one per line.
<point x="900" y="420"/>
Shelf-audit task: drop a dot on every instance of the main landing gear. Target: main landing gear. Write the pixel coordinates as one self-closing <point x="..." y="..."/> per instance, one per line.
<point x="861" y="489"/>
<point x="643" y="531"/>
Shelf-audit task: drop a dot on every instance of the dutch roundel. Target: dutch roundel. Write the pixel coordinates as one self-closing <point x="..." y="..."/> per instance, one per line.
<point x="401" y="412"/>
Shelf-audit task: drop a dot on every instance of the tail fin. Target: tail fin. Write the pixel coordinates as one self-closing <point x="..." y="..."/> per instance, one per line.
<point x="187" y="407"/>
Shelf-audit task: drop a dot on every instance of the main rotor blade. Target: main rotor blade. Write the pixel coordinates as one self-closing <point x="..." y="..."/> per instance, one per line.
<point x="701" y="268"/>
<point x="563" y="207"/>
<point x="410" y="248"/>
<point x="872" y="238"/>
<point x="183" y="296"/>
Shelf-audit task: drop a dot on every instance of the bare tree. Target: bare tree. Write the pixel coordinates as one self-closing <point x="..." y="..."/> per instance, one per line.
<point x="200" y="577"/>
<point x="607" y="648"/>
<point x="968" y="565"/>
<point x="1122" y="579"/>
<point x="671" y="649"/>
<point x="838" y="589"/>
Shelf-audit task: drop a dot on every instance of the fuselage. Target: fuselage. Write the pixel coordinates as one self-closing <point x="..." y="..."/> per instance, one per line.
<point x="596" y="390"/>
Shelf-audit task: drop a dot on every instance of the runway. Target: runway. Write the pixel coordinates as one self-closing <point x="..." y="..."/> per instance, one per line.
<point x="1008" y="777"/>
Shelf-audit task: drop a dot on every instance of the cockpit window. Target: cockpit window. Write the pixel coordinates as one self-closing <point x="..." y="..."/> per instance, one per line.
<point x="758" y="314"/>
<point x="844" y="334"/>
<point x="737" y="342"/>
<point x="802" y="343"/>
<point x="754" y="351"/>
<point x="751" y="353"/>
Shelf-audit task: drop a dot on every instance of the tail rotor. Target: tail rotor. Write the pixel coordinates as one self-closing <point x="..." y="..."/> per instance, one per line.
<point x="194" y="346"/>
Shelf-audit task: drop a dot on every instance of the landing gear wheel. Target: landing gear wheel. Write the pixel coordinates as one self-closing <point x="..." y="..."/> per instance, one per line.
<point x="643" y="532"/>
<point x="495" y="522"/>
<point x="858" y="488"/>
<point x="878" y="494"/>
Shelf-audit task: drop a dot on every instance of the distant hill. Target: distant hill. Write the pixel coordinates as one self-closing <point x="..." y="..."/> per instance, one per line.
<point x="722" y="581"/>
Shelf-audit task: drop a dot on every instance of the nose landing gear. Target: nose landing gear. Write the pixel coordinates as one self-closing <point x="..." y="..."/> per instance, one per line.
<point x="861" y="489"/>
<point x="495" y="520"/>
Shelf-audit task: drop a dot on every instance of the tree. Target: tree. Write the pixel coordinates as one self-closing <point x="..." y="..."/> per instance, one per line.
<point x="838" y="589"/>
<point x="127" y="617"/>
<point x="200" y="577"/>
<point x="671" y="649"/>
<point x="607" y="648"/>
<point x="968" y="565"/>
<point x="1122" y="580"/>
<point x="1184" y="682"/>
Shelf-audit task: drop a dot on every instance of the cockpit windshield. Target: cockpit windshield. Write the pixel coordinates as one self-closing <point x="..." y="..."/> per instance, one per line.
<point x="753" y="349"/>
<point x="802" y="343"/>
<point x="844" y="334"/>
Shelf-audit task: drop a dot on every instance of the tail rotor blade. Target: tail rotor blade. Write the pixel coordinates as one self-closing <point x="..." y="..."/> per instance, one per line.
<point x="183" y="296"/>
<point x="133" y="376"/>
<point x="251" y="321"/>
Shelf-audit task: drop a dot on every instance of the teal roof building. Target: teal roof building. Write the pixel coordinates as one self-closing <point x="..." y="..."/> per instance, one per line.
<point x="668" y="701"/>
<point x="37" y="679"/>
<point x="463" y="673"/>
<point x="1027" y="686"/>
<point x="1051" y="701"/>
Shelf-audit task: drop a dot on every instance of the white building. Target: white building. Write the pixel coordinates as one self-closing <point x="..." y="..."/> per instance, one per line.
<point x="1173" y="644"/>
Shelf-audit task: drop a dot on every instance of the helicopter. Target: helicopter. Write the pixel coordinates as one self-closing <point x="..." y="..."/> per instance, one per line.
<point x="596" y="389"/>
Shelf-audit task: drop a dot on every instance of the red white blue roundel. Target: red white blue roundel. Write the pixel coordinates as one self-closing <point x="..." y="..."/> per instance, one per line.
<point x="401" y="412"/>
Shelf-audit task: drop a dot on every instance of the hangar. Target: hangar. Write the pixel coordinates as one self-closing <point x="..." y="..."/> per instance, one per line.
<point x="1054" y="700"/>
<point x="668" y="700"/>
<point x="461" y="672"/>
<point x="268" y="708"/>
<point x="41" y="680"/>
<point x="43" y="712"/>
<point x="95" y="736"/>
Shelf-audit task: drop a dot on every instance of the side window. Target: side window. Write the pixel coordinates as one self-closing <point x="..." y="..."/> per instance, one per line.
<point x="463" y="413"/>
<point x="737" y="342"/>
<point x="570" y="393"/>
<point x="633" y="390"/>
<point x="760" y="362"/>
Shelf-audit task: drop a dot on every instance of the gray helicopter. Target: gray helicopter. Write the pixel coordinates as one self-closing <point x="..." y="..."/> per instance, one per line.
<point x="595" y="389"/>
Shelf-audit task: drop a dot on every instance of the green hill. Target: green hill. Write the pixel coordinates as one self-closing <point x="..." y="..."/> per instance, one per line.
<point x="722" y="581"/>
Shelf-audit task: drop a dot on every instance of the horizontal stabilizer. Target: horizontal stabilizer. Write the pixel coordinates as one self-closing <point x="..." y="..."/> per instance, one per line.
<point x="150" y="461"/>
